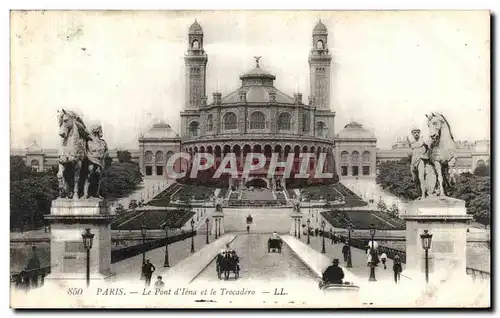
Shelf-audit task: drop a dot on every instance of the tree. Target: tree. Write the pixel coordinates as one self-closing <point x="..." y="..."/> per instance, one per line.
<point x="482" y="170"/>
<point x="474" y="189"/>
<point x="124" y="156"/>
<point x="120" y="179"/>
<point x="395" y="177"/>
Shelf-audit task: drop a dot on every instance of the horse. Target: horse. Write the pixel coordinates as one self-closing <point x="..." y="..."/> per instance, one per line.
<point x="274" y="245"/>
<point x="72" y="153"/>
<point x="441" y="152"/>
<point x="226" y="264"/>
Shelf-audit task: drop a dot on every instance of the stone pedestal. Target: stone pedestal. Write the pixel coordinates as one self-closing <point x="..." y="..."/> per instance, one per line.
<point x="296" y="219"/>
<point x="444" y="218"/>
<point x="69" y="218"/>
<point x="220" y="217"/>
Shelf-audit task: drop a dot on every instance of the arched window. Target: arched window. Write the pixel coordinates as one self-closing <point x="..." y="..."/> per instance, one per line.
<point x="284" y="121"/>
<point x="159" y="157"/>
<point x="257" y="120"/>
<point x="194" y="128"/>
<point x="230" y="121"/>
<point x="35" y="165"/>
<point x="321" y="129"/>
<point x="344" y="156"/>
<point x="305" y="122"/>
<point x="366" y="156"/>
<point x="148" y="157"/>
<point x="210" y="124"/>
<point x="196" y="44"/>
<point x="355" y="156"/>
<point x="480" y="163"/>
<point x="319" y="45"/>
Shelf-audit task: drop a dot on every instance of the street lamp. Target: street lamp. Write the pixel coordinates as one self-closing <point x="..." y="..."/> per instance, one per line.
<point x="87" y="243"/>
<point x="372" y="252"/>
<point x="298" y="225"/>
<point x="295" y="226"/>
<point x="349" y="230"/>
<point x="323" y="234"/>
<point x="166" y="263"/>
<point x="206" y="222"/>
<point x="216" y="227"/>
<point x="308" y="230"/>
<point x="426" y="245"/>
<point x="192" y="236"/>
<point x="143" y="233"/>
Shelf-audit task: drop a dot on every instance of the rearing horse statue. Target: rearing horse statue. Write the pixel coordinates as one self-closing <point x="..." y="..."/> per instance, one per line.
<point x="441" y="150"/>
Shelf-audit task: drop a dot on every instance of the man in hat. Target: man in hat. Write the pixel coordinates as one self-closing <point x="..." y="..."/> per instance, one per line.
<point x="333" y="273"/>
<point x="419" y="158"/>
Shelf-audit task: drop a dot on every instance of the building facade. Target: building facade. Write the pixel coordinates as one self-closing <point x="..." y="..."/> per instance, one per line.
<point x="257" y="117"/>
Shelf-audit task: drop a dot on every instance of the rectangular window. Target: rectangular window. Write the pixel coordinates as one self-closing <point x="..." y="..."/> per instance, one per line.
<point x="149" y="170"/>
<point x="366" y="170"/>
<point x="355" y="170"/>
<point x="159" y="170"/>
<point x="344" y="170"/>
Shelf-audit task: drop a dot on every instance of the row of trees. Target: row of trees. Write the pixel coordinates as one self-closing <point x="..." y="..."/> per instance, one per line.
<point x="31" y="193"/>
<point x="473" y="188"/>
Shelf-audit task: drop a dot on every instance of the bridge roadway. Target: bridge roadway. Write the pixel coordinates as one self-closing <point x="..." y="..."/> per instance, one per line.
<point x="258" y="265"/>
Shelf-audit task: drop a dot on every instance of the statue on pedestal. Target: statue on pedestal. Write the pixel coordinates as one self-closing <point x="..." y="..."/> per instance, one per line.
<point x="81" y="157"/>
<point x="431" y="160"/>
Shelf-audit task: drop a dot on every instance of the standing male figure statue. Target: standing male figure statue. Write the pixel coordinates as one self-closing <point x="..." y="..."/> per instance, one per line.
<point x="419" y="159"/>
<point x="97" y="151"/>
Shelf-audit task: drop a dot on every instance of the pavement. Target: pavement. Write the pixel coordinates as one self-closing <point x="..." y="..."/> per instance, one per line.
<point x="358" y="258"/>
<point x="130" y="268"/>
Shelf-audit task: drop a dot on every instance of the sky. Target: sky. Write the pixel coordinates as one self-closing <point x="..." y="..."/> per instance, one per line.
<point x="125" y="69"/>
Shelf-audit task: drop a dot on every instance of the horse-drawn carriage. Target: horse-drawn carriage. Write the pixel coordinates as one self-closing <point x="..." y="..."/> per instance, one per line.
<point x="227" y="263"/>
<point x="274" y="245"/>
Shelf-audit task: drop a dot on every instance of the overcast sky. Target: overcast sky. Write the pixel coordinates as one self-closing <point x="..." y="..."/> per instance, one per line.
<point x="126" y="69"/>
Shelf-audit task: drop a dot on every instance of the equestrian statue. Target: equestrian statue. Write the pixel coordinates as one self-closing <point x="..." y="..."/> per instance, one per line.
<point x="82" y="156"/>
<point x="431" y="160"/>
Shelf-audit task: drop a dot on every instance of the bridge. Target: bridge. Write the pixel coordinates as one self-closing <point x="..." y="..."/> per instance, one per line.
<point x="271" y="279"/>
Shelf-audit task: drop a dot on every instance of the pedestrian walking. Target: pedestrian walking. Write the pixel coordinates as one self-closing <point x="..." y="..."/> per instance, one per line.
<point x="147" y="270"/>
<point x="345" y="252"/>
<point x="383" y="258"/>
<point x="397" y="268"/>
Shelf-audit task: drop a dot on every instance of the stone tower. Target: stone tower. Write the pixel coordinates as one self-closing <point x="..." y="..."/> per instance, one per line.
<point x="319" y="67"/>
<point x="195" y="60"/>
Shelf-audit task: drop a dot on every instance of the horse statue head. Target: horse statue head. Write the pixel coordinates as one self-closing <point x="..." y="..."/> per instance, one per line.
<point x="439" y="130"/>
<point x="70" y="123"/>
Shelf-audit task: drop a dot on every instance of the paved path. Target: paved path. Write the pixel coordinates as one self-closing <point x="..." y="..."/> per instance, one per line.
<point x="257" y="264"/>
<point x="359" y="259"/>
<point x="130" y="268"/>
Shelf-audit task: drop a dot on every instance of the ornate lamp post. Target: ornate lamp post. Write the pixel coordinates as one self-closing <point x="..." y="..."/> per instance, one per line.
<point x="426" y="245"/>
<point x="143" y="233"/>
<point x="372" y="251"/>
<point x="206" y="222"/>
<point x="295" y="226"/>
<point x="87" y="243"/>
<point x="216" y="220"/>
<point x="192" y="236"/>
<point x="166" y="263"/>
<point x="349" y="260"/>
<point x="323" y="234"/>
<point x="308" y="230"/>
